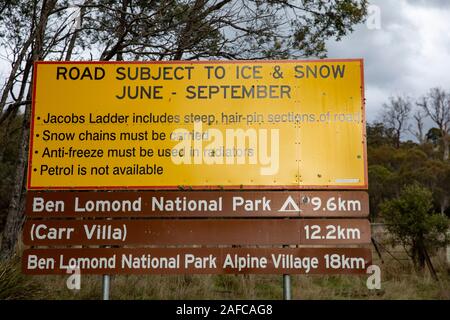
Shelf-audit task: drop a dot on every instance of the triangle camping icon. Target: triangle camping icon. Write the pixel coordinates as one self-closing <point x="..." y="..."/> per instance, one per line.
<point x="289" y="206"/>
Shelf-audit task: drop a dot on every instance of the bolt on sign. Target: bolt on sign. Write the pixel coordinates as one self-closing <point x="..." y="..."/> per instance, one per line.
<point x="204" y="125"/>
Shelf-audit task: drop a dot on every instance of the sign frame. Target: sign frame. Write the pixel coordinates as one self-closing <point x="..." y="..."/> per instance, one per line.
<point x="201" y="187"/>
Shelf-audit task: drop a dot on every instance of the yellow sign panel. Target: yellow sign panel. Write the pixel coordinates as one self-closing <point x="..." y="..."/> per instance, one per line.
<point x="243" y="124"/>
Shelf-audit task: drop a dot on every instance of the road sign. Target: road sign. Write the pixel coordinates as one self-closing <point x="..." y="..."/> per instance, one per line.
<point x="197" y="232"/>
<point x="202" y="125"/>
<point x="198" y="261"/>
<point x="170" y="204"/>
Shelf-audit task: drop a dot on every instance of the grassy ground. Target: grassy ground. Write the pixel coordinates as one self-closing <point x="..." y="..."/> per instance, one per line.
<point x="399" y="281"/>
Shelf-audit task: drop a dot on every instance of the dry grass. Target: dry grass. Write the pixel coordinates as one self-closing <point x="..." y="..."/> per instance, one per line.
<point x="399" y="281"/>
<point x="14" y="285"/>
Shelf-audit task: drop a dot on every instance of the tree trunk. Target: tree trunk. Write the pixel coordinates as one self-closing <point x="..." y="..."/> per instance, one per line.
<point x="15" y="217"/>
<point x="445" y="139"/>
<point x="375" y="245"/>
<point x="418" y="256"/>
<point x="430" y="265"/>
<point x="5" y="132"/>
<point x="6" y="127"/>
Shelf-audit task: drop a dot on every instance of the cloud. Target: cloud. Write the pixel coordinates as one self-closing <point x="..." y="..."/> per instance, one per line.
<point x="407" y="56"/>
<point x="430" y="3"/>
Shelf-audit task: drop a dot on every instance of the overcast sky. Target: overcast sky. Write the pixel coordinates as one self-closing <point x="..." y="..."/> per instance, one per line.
<point x="409" y="54"/>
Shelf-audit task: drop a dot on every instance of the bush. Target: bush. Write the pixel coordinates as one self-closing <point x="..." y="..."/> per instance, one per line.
<point x="412" y="222"/>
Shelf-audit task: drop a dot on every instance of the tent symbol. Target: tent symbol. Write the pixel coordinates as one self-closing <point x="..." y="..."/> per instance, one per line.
<point x="289" y="206"/>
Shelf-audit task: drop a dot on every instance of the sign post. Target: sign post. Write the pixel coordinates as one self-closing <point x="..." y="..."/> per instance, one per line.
<point x="287" y="287"/>
<point x="106" y="281"/>
<point x="287" y="294"/>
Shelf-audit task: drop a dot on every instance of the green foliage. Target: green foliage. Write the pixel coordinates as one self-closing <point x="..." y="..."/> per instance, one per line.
<point x="434" y="135"/>
<point x="380" y="186"/>
<point x="411" y="220"/>
<point x="251" y="29"/>
<point x="379" y="135"/>
<point x="391" y="168"/>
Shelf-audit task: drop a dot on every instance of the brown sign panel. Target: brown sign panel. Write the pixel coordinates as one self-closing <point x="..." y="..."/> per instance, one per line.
<point x="198" y="261"/>
<point x="199" y="204"/>
<point x="197" y="232"/>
